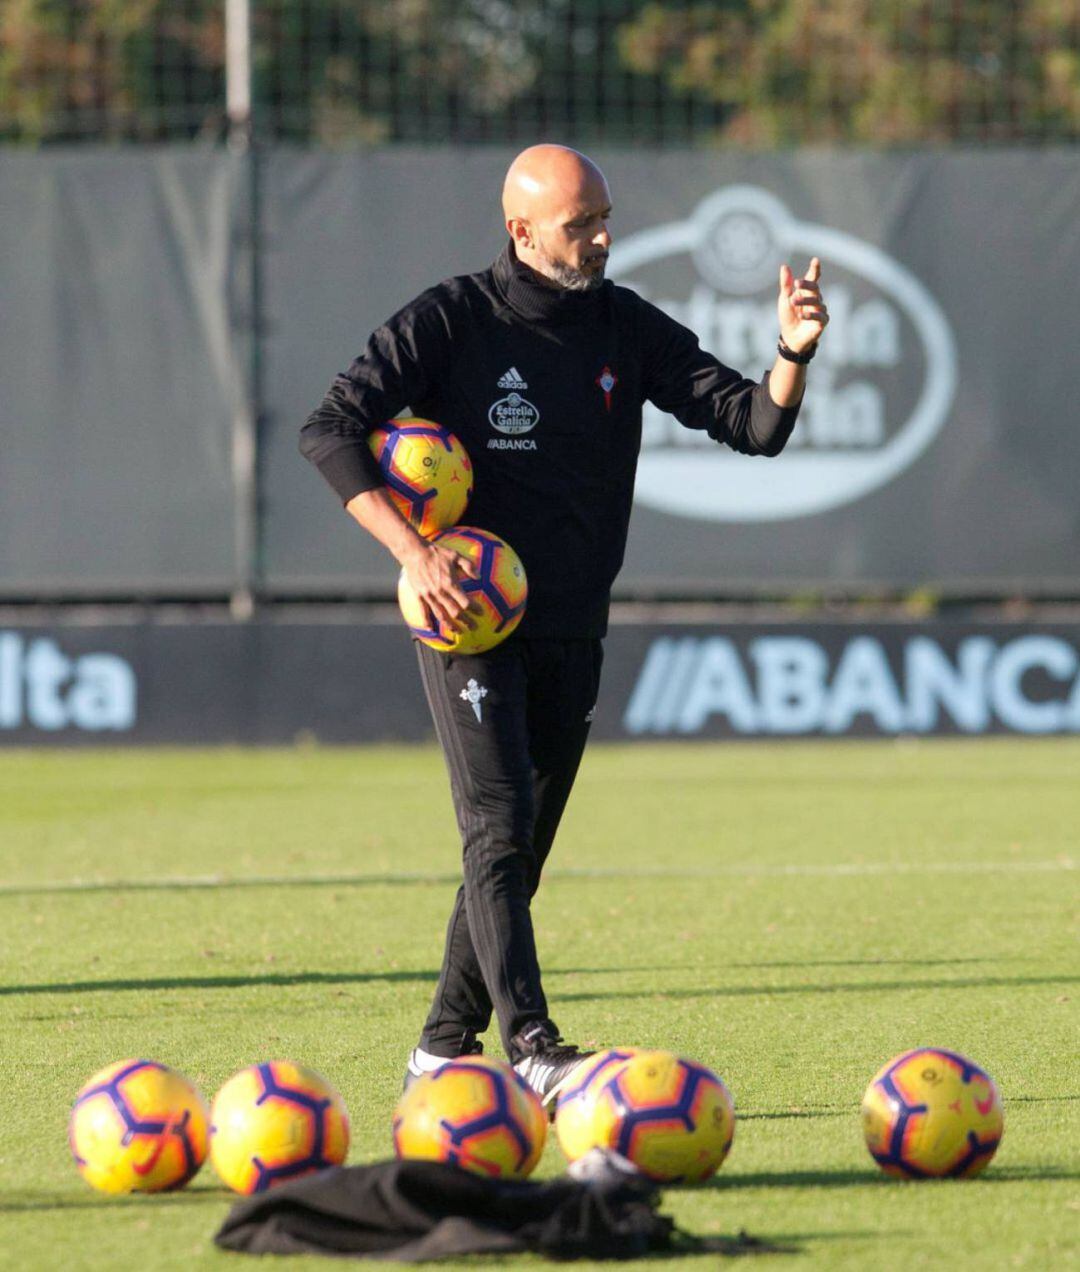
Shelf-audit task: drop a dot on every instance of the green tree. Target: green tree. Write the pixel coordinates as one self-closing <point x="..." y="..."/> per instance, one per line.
<point x="750" y="72"/>
<point x="785" y="72"/>
<point x="139" y="69"/>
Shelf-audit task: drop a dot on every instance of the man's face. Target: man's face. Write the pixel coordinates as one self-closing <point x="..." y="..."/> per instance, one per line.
<point x="572" y="244"/>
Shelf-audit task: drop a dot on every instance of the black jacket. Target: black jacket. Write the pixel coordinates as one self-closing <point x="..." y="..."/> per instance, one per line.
<point x="545" y="388"/>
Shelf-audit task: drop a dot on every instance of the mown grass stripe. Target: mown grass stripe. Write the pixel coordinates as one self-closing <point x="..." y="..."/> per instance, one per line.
<point x="837" y="869"/>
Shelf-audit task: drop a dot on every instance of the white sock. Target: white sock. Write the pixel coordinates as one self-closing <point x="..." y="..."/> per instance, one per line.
<point x="425" y="1062"/>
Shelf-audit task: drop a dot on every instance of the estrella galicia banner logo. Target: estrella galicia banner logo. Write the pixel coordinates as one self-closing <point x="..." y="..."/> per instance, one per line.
<point x="880" y="388"/>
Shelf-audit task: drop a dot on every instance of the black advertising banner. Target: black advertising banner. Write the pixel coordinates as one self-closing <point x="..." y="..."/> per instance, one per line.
<point x="276" y="682"/>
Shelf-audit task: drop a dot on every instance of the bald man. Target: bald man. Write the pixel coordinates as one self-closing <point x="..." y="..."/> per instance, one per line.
<point x="541" y="367"/>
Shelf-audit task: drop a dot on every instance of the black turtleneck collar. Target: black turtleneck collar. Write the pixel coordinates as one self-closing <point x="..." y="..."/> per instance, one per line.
<point x="527" y="294"/>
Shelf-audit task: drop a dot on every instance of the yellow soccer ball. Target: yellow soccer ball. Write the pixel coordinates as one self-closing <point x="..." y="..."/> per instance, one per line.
<point x="931" y="1113"/>
<point x="476" y="1113"/>
<point x="427" y="472"/>
<point x="575" y="1124"/>
<point x="273" y="1122"/>
<point x="138" y="1126"/>
<point x="496" y="599"/>
<point x="672" y="1117"/>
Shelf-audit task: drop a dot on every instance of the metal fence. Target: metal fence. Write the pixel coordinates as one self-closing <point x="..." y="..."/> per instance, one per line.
<point x="761" y="73"/>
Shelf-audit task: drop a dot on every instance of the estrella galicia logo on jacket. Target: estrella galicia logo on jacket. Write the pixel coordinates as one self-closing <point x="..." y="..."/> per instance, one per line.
<point x="513" y="415"/>
<point x="878" y="394"/>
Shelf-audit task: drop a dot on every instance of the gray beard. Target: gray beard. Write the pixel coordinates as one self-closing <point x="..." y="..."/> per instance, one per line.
<point x="569" y="278"/>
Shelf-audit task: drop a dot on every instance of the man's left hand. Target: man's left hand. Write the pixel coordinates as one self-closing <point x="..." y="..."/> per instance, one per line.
<point x="800" y="308"/>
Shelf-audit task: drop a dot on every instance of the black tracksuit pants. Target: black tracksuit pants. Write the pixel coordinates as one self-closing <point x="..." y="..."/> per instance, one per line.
<point x="513" y="725"/>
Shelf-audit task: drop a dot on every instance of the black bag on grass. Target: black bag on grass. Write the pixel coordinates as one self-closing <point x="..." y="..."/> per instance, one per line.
<point x="411" y="1211"/>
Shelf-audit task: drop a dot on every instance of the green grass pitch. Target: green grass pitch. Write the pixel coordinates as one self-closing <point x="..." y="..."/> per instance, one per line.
<point x="792" y="915"/>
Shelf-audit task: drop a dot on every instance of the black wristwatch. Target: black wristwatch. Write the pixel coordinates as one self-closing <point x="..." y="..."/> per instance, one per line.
<point x="791" y="356"/>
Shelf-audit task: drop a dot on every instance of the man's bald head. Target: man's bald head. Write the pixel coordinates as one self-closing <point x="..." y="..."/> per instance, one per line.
<point x="556" y="204"/>
<point x="544" y="178"/>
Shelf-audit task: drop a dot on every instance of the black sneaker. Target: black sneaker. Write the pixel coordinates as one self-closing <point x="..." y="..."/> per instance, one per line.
<point x="546" y="1062"/>
<point x="421" y="1061"/>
